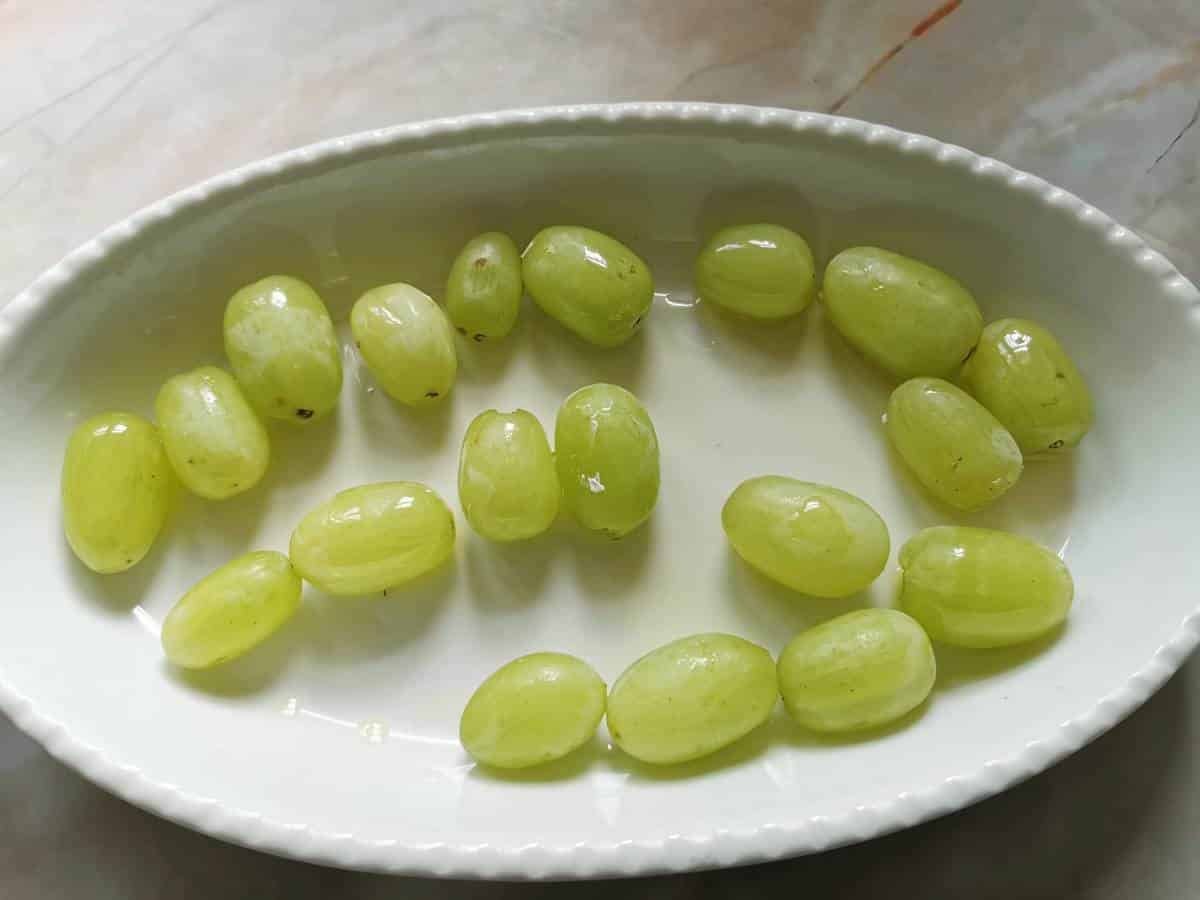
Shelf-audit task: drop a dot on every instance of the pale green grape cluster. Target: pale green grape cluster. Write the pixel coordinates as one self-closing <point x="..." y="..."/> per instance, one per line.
<point x="691" y="697"/>
<point x="589" y="282"/>
<point x="975" y="587"/>
<point x="115" y="490"/>
<point x="762" y="271"/>
<point x="280" y="341"/>
<point x="407" y="342"/>
<point x="860" y="670"/>
<point x="1025" y="378"/>
<point x="908" y="318"/>
<point x="507" y="482"/>
<point x="215" y="442"/>
<point x="483" y="291"/>
<point x="956" y="448"/>
<point x="810" y="537"/>
<point x="606" y="452"/>
<point x="373" y="537"/>
<point x="231" y="611"/>
<point x="532" y="711"/>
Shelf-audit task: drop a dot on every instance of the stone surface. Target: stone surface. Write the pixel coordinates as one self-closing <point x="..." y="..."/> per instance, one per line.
<point x="109" y="106"/>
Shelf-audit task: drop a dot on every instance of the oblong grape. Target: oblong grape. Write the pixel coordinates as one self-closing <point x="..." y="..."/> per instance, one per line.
<point x="764" y="271"/>
<point x="283" y="349"/>
<point x="1027" y="381"/>
<point x="533" y="710"/>
<point x="591" y="283"/>
<point x="373" y="537"/>
<point x="115" y="490"/>
<point x="215" y="442"/>
<point x="691" y="697"/>
<point x="813" y="538"/>
<point x="975" y="587"/>
<point x="231" y="611"/>
<point x="606" y="453"/>
<point x="507" y="483"/>
<point x="954" y="446"/>
<point x="908" y="318"/>
<point x="483" y="290"/>
<point x="407" y="342"/>
<point x="860" y="670"/>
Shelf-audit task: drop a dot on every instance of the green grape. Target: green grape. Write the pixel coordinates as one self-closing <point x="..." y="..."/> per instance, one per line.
<point x="1027" y="381"/>
<point x="592" y="284"/>
<point x="407" y="341"/>
<point x="691" y="697"/>
<point x="533" y="710"/>
<point x="373" y="537"/>
<point x="975" y="587"/>
<point x="954" y="446"/>
<point x="861" y="670"/>
<point x="483" y="292"/>
<point x="115" y="490"/>
<point x="215" y="442"/>
<point x="506" y="477"/>
<point x="280" y="340"/>
<point x="231" y="611"/>
<point x="764" y="271"/>
<point x="812" y="538"/>
<point x="606" y="453"/>
<point x="906" y="317"/>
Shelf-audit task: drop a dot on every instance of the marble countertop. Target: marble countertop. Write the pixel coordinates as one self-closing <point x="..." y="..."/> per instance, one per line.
<point x="108" y="106"/>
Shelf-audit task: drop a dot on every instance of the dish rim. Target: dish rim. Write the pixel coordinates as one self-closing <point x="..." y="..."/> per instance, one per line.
<point x="671" y="853"/>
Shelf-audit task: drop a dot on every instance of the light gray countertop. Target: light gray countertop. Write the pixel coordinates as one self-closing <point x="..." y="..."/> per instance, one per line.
<point x="108" y="106"/>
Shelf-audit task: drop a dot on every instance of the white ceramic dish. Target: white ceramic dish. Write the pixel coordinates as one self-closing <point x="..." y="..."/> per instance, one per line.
<point x="336" y="742"/>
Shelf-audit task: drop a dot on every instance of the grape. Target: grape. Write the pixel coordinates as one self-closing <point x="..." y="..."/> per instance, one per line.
<point x="533" y="710"/>
<point x="280" y="340"/>
<point x="860" y="670"/>
<point x="954" y="446"/>
<point x="483" y="292"/>
<point x="1027" y="381"/>
<point x="231" y="611"/>
<point x="906" y="317"/>
<point x="407" y="341"/>
<point x="606" y="453"/>
<point x="506" y="478"/>
<point x="373" y="537"/>
<point x="115" y="490"/>
<point x="691" y="697"/>
<point x="764" y="271"/>
<point x="975" y="587"/>
<point x="215" y="442"/>
<point x="812" y="538"/>
<point x="592" y="284"/>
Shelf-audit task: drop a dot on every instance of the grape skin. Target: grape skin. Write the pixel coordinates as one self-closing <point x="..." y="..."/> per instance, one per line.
<point x="215" y="442"/>
<point x="532" y="711"/>
<point x="115" y="491"/>
<point x="975" y="587"/>
<point x="956" y="448"/>
<point x="407" y="342"/>
<point x="606" y="453"/>
<point x="860" y="670"/>
<point x="283" y="349"/>
<point x="908" y="318"/>
<point x="231" y="611"/>
<point x="507" y="483"/>
<point x="589" y="282"/>
<point x="762" y="271"/>
<point x="815" y="539"/>
<point x="692" y="697"/>
<point x="483" y="290"/>
<point x="373" y="537"/>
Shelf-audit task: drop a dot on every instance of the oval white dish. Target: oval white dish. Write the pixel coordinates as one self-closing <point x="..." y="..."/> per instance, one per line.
<point x="336" y="742"/>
